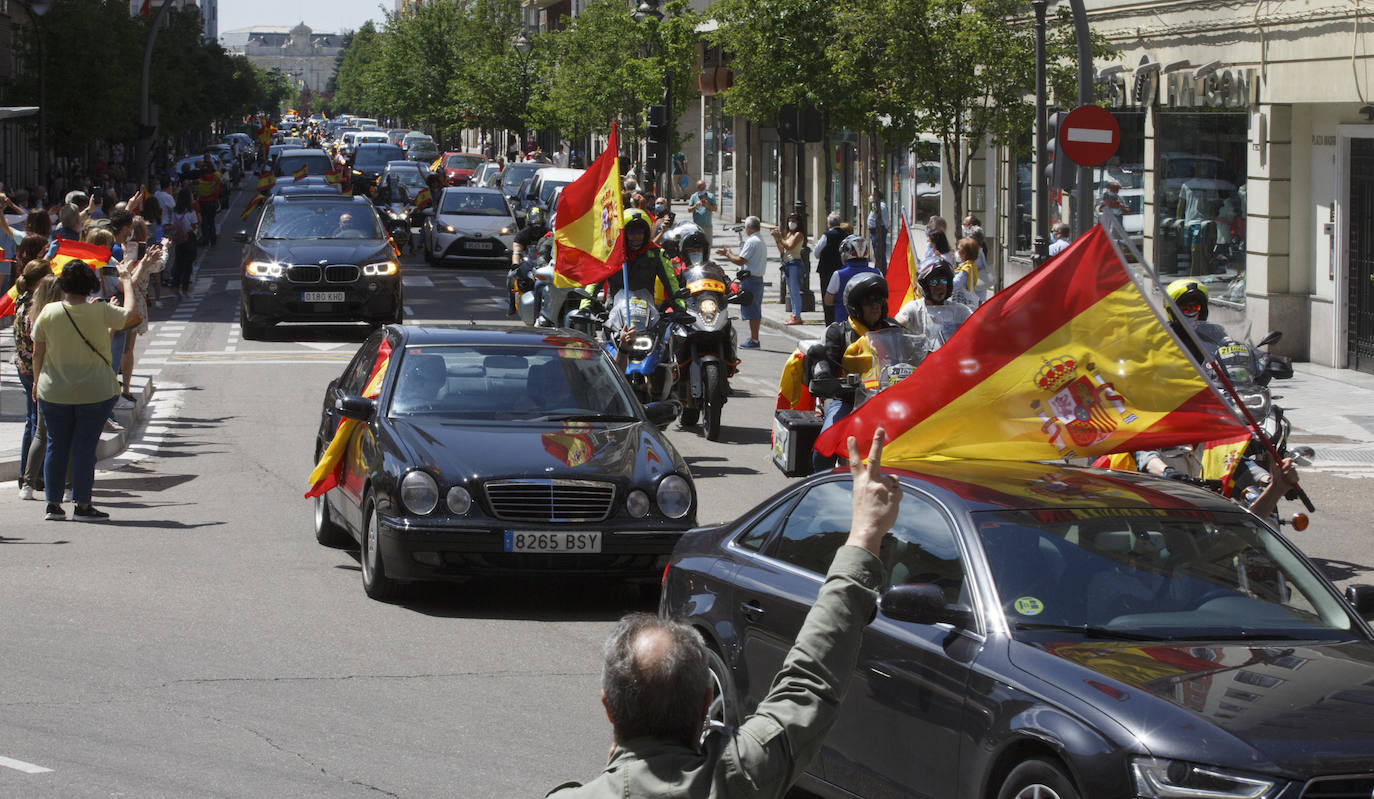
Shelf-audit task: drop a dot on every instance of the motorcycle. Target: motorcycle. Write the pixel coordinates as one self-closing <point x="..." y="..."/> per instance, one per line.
<point x="651" y="370"/>
<point x="896" y="354"/>
<point x="542" y="303"/>
<point x="397" y="213"/>
<point x="705" y="344"/>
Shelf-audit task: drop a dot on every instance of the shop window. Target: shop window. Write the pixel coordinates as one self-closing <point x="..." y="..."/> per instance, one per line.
<point x="1199" y="192"/>
<point x="1127" y="169"/>
<point x="843" y="161"/>
<point x="768" y="210"/>
<point x="1023" y="197"/>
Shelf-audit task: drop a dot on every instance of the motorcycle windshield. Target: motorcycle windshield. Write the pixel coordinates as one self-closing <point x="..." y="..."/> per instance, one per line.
<point x="894" y="353"/>
<point x="704" y="277"/>
<point x="634" y="310"/>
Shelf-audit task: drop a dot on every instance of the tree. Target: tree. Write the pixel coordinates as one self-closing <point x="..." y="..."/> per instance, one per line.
<point x="496" y="82"/>
<point x="354" y="85"/>
<point x="421" y="59"/>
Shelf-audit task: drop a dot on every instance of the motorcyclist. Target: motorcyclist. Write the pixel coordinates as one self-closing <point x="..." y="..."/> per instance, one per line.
<point x="932" y="314"/>
<point x="692" y="247"/>
<point x="647" y="266"/>
<point x="854" y="258"/>
<point x="534" y="236"/>
<point x="842" y="351"/>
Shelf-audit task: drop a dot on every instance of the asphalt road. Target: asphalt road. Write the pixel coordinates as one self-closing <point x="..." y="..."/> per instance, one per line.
<point x="200" y="643"/>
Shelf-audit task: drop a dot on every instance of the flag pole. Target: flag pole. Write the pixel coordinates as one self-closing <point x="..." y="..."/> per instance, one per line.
<point x="1255" y="428"/>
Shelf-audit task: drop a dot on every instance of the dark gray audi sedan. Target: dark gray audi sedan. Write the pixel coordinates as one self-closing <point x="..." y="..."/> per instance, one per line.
<point x="1051" y="632"/>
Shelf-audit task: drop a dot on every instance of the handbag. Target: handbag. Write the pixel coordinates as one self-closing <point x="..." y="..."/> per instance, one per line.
<point x="98" y="353"/>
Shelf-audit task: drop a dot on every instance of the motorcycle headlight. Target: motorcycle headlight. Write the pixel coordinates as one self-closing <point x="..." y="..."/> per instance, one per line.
<point x="637" y="504"/>
<point x="642" y="344"/>
<point x="709" y="306"/>
<point x="1175" y="779"/>
<point x="381" y="269"/>
<point x="419" y="492"/>
<point x="674" y="496"/>
<point x="459" y="500"/>
<point x="265" y="269"/>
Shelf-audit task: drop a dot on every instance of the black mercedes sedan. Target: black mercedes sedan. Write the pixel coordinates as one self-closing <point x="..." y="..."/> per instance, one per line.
<point x="1051" y="632"/>
<point x="498" y="451"/>
<point x="315" y="258"/>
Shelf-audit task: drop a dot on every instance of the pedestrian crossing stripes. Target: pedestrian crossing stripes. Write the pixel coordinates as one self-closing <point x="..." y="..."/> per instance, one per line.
<point x="475" y="282"/>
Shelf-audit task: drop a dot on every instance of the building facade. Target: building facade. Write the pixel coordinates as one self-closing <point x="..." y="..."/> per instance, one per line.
<point x="307" y="57"/>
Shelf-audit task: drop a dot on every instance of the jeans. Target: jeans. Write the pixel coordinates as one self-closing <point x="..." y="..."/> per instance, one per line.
<point x="835" y="410"/>
<point x="878" y="238"/>
<point x="30" y="421"/>
<point x="208" y="238"/>
<point x="73" y="434"/>
<point x="792" y="272"/>
<point x="753" y="310"/>
<point x="117" y="340"/>
<point x="185" y="259"/>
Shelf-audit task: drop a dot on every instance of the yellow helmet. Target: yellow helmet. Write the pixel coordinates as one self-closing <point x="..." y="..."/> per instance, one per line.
<point x="1190" y="292"/>
<point x="636" y="216"/>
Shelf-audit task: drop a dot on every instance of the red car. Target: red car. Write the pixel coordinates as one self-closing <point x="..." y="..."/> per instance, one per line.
<point x="457" y="168"/>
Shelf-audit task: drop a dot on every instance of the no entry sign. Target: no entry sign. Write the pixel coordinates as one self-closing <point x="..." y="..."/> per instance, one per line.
<point x="1089" y="135"/>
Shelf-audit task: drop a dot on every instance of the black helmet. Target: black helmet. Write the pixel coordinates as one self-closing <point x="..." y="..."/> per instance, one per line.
<point x="694" y="241"/>
<point x="862" y="289"/>
<point x="936" y="267"/>
<point x="535" y="216"/>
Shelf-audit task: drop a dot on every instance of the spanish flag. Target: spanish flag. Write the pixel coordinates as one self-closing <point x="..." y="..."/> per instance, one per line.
<point x="266" y="181"/>
<point x="301" y="173"/>
<point x="588" y="246"/>
<point x="901" y="272"/>
<point x="68" y="250"/>
<point x="257" y="200"/>
<point x="1071" y="361"/>
<point x="423" y="198"/>
<point x="335" y="176"/>
<point x="208" y="187"/>
<point x="329" y="470"/>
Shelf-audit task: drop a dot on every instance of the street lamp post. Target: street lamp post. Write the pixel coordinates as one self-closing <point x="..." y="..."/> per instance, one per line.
<point x="662" y="183"/>
<point x="1041" y="245"/>
<point x="523" y="46"/>
<point x="145" y="122"/>
<point x="38" y="8"/>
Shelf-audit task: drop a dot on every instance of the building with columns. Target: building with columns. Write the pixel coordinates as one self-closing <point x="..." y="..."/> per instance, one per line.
<point x="300" y="53"/>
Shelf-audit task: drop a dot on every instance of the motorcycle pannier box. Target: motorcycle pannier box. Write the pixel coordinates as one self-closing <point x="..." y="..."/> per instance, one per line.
<point x="794" y="434"/>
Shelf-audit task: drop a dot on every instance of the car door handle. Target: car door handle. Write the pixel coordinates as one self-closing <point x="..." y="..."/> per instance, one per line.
<point x="751" y="609"/>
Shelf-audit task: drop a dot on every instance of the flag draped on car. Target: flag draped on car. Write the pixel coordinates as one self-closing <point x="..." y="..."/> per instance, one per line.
<point x="329" y="469"/>
<point x="253" y="203"/>
<point x="68" y="250"/>
<point x="1070" y="361"/>
<point x="588" y="245"/>
<point x="423" y="198"/>
<point x="901" y="272"/>
<point x="266" y="181"/>
<point x="301" y="173"/>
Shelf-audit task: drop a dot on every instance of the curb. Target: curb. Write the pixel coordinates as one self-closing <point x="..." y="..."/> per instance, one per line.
<point x="111" y="444"/>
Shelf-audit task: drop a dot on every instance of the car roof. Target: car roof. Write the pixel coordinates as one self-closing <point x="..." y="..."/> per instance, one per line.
<point x="486" y="334"/>
<point x="374" y="145"/>
<point x="304" y="151"/>
<point x="559" y="173"/>
<point x="399" y="164"/>
<point x="1028" y="486"/>
<point x="470" y="190"/>
<point x="332" y="199"/>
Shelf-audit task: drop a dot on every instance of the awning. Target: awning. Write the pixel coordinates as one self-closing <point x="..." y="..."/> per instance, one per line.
<point x="9" y="112"/>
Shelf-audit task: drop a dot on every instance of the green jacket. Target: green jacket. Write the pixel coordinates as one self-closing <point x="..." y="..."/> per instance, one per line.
<point x="764" y="755"/>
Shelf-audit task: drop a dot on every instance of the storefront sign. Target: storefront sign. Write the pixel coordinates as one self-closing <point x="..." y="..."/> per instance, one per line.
<point x="1229" y="88"/>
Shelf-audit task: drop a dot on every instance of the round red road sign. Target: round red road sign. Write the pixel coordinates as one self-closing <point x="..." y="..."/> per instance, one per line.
<point x="1089" y="135"/>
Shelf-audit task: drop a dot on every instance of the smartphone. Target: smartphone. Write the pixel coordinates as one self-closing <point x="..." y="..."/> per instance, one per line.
<point x="142" y="248"/>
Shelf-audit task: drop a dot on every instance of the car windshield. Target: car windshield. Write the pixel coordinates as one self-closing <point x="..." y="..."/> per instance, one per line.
<point x="569" y="383"/>
<point x="474" y="203"/>
<point x="514" y="174"/>
<point x="371" y="157"/>
<point x="291" y="220"/>
<point x="409" y="178"/>
<point x="1129" y="573"/>
<point x="315" y="164"/>
<point x="462" y="162"/>
<point x="548" y="187"/>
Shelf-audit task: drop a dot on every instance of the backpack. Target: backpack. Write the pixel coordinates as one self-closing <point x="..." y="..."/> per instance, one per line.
<point x="179" y="229"/>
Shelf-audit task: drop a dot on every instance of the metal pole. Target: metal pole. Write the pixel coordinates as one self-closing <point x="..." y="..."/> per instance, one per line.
<point x="42" y="106"/>
<point x="1041" y="245"/>
<point x="1083" y="198"/>
<point x="144" y="112"/>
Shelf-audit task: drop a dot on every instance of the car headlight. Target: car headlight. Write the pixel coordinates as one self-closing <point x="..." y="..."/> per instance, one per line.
<point x="674" y="496"/>
<point x="448" y="228"/>
<point x="1157" y="777"/>
<point x="459" y="500"/>
<point x="357" y="171"/>
<point x="505" y="230"/>
<point x="265" y="269"/>
<point x="637" y="504"/>
<point x="381" y="269"/>
<point x="419" y="492"/>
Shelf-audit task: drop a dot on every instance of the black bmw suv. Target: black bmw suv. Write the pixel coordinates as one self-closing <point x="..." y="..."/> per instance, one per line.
<point x="318" y="259"/>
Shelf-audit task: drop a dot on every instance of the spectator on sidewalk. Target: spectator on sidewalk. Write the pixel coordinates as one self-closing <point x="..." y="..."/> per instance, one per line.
<point x="753" y="256"/>
<point x="47" y="290"/>
<point x="877" y="230"/>
<point x="182" y="227"/>
<point x="74" y="382"/>
<point x="828" y="257"/>
<point x="790" y="256"/>
<point x="702" y="204"/>
<point x="151" y="261"/>
<point x="1059" y="238"/>
<point x="34" y="272"/>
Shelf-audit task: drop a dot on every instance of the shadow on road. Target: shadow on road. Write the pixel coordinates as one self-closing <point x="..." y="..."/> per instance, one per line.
<point x="1339" y="571"/>
<point x="702" y="471"/>
<point x="344" y="332"/>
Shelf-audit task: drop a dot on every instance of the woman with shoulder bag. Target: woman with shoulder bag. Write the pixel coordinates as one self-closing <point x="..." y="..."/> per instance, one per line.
<point x="74" y="383"/>
<point x="183" y="227"/>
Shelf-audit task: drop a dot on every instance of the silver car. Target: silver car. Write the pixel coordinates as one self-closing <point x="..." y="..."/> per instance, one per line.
<point x="470" y="225"/>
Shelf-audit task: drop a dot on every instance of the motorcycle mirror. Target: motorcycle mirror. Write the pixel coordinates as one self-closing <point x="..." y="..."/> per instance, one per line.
<point x="1302" y="451"/>
<point x="682" y="293"/>
<point x="1272" y="338"/>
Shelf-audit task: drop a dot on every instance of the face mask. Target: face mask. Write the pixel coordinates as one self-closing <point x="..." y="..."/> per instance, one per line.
<point x="696" y="258"/>
<point x="791" y="225"/>
<point x="660" y="209"/>
<point x="966" y="230"/>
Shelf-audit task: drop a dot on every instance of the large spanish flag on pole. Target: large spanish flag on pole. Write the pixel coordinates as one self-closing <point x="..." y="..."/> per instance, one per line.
<point x="1071" y="361"/>
<point x="588" y="246"/>
<point x="901" y="271"/>
<point x="68" y="250"/>
<point x="329" y="470"/>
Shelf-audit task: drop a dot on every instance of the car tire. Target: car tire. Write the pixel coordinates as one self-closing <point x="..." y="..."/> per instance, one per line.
<point x="1038" y="779"/>
<point x="327" y="531"/>
<point x="375" y="582"/>
<point x="722" y="708"/>
<point x="713" y="396"/>
<point x="252" y="331"/>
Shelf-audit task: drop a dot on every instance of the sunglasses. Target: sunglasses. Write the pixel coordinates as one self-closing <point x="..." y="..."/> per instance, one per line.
<point x="938" y="281"/>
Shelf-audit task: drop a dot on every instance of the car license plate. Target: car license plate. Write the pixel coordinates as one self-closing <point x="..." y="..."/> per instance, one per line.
<point x="534" y="541"/>
<point x="480" y="245"/>
<point x="322" y="296"/>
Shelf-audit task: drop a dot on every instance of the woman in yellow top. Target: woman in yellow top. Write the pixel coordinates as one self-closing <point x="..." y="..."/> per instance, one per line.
<point x="74" y="383"/>
<point x="790" y="254"/>
<point x="966" y="274"/>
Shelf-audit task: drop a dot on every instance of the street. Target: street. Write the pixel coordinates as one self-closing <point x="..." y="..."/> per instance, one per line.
<point x="200" y="643"/>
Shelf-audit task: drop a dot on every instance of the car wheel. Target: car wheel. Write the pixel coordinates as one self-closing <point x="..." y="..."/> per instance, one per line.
<point x="1038" y="779"/>
<point x="327" y="531"/>
<point x="722" y="709"/>
<point x="252" y="331"/>
<point x="375" y="582"/>
<point x="714" y="396"/>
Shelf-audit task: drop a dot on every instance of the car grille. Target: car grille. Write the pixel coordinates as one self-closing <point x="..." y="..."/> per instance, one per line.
<point x="341" y="273"/>
<point x="303" y="274"/>
<point x="550" y="500"/>
<point x="1350" y="787"/>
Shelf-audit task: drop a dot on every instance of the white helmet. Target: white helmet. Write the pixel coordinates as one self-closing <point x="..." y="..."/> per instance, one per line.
<point x="854" y="248"/>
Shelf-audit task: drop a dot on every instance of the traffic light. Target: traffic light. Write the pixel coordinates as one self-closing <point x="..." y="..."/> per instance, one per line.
<point x="657" y="140"/>
<point x="1060" y="172"/>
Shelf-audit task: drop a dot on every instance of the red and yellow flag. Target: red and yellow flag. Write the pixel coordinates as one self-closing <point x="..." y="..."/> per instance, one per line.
<point x="423" y="198"/>
<point x="329" y="470"/>
<point x="301" y="173"/>
<point x="588" y="246"/>
<point x="1071" y="361"/>
<point x="901" y="272"/>
<point x="257" y="200"/>
<point x="266" y="181"/>
<point x="68" y="250"/>
<point x="208" y="187"/>
<point x="334" y="176"/>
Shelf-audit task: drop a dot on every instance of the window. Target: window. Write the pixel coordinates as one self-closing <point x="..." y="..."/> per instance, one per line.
<point x="754" y="537"/>
<point x="354" y="379"/>
<point x="924" y="549"/>
<point x="816" y="527"/>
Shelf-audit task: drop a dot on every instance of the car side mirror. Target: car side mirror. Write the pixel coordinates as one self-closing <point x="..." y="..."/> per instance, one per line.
<point x="241" y="237"/>
<point x="1361" y="598"/>
<point x="923" y="603"/>
<point x="353" y="407"/>
<point x="662" y="414"/>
